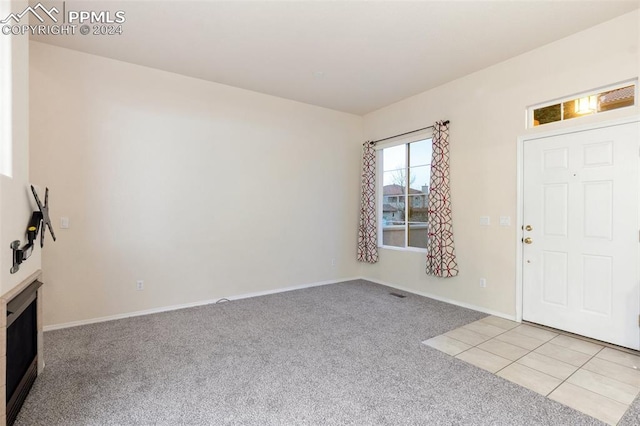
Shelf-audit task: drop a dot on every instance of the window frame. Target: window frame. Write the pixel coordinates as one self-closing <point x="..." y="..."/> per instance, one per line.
<point x="593" y="92"/>
<point x="6" y="99"/>
<point x="379" y="147"/>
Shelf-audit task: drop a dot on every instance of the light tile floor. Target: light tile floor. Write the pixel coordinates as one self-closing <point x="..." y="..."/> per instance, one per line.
<point x="599" y="381"/>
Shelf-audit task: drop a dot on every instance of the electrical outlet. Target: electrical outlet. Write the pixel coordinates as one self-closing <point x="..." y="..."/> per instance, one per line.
<point x="333" y="263"/>
<point x="483" y="282"/>
<point x="139" y="285"/>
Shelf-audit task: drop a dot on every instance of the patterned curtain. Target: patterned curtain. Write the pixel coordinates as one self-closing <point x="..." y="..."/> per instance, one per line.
<point x="441" y="256"/>
<point x="368" y="231"/>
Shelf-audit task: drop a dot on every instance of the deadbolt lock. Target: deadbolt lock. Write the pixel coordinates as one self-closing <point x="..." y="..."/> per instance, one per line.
<point x="528" y="228"/>
<point x="528" y="240"/>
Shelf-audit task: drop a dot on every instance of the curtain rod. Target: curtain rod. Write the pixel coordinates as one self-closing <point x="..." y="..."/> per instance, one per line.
<point x="407" y="133"/>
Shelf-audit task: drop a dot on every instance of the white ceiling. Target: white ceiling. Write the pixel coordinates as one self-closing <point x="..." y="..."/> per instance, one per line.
<point x="370" y="54"/>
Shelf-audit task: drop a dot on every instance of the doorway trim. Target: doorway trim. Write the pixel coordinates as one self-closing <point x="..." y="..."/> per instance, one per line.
<point x="520" y="189"/>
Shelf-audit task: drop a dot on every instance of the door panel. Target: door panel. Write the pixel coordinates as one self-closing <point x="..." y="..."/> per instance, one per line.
<point x="580" y="268"/>
<point x="555" y="284"/>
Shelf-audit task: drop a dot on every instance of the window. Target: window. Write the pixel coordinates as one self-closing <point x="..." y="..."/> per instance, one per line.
<point x="5" y="98"/>
<point x="610" y="98"/>
<point x="406" y="171"/>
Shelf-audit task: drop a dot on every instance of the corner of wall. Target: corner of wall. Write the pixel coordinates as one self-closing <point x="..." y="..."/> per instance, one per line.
<point x="16" y="202"/>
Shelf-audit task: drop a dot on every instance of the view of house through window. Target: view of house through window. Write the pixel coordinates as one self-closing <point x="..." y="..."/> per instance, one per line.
<point x="406" y="170"/>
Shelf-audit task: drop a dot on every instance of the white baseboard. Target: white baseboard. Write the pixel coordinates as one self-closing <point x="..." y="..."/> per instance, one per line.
<point x="444" y="299"/>
<point x="266" y="292"/>
<point x="190" y="305"/>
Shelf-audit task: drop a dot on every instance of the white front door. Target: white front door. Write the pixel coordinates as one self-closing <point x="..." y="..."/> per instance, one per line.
<point x="581" y="254"/>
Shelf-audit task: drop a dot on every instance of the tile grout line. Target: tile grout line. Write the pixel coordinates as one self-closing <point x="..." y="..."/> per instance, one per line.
<point x="616" y="362"/>
<point x="600" y="395"/>
<point x="531" y="351"/>
<point x="577" y="369"/>
<point x="584" y="338"/>
<point x="471" y="346"/>
<point x="490" y="338"/>
<point x="607" y="377"/>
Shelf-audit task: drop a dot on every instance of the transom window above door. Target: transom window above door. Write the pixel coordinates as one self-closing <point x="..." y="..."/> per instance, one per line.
<point x="593" y="102"/>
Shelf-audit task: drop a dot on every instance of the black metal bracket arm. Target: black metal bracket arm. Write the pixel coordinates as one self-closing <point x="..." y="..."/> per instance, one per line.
<point x="22" y="254"/>
<point x="19" y="256"/>
<point x="38" y="219"/>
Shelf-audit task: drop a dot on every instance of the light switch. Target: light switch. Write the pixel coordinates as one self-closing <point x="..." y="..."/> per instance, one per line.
<point x="64" y="223"/>
<point x="505" y="220"/>
<point x="485" y="221"/>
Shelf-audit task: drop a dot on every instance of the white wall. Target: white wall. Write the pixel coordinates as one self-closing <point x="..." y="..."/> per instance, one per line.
<point x="16" y="203"/>
<point x="487" y="113"/>
<point x="202" y="190"/>
<point x="196" y="187"/>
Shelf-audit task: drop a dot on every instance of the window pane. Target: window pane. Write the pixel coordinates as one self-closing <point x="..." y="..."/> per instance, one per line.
<point x="419" y="179"/>
<point x="579" y="107"/>
<point x="394" y="158"/>
<point x="395" y="181"/>
<point x="393" y="224"/>
<point x="420" y="153"/>
<point x="393" y="235"/>
<point x="618" y="98"/>
<point x="418" y="235"/>
<point x="418" y="208"/>
<point x="393" y="210"/>
<point x="418" y="221"/>
<point x="6" y="142"/>
<point x="569" y="110"/>
<point x="547" y="115"/>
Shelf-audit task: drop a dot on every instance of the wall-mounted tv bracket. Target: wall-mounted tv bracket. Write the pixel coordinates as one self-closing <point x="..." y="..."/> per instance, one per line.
<point x="38" y="219"/>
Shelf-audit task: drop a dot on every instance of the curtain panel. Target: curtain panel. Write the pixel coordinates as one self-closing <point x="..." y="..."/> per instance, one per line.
<point x="368" y="229"/>
<point x="441" y="257"/>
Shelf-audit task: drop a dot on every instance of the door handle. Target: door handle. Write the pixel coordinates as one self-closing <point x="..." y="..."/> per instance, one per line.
<point x="528" y="228"/>
<point x="528" y="240"/>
